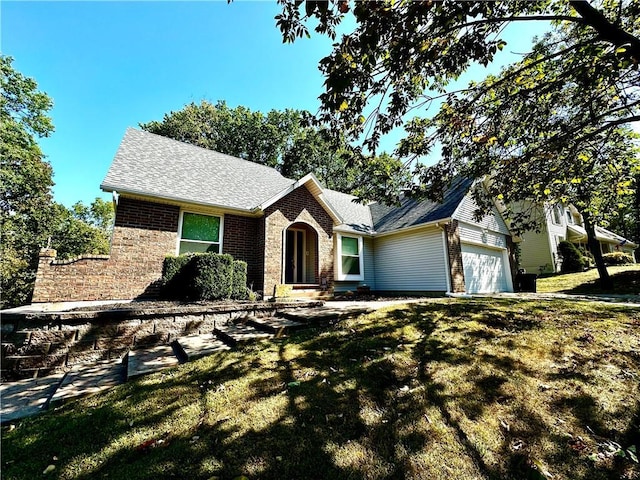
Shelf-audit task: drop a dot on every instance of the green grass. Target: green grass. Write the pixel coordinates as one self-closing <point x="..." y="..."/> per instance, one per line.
<point x="626" y="281"/>
<point x="448" y="388"/>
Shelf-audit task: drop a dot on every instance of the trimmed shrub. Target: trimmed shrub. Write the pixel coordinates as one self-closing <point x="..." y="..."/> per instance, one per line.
<point x="617" y="258"/>
<point x="174" y="281"/>
<point x="588" y="257"/>
<point x="204" y="276"/>
<point x="239" y="289"/>
<point x="211" y="276"/>
<point x="572" y="260"/>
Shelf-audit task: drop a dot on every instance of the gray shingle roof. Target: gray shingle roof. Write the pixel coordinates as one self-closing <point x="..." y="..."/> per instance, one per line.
<point x="153" y="165"/>
<point x="356" y="216"/>
<point x="413" y="212"/>
<point x="156" y="166"/>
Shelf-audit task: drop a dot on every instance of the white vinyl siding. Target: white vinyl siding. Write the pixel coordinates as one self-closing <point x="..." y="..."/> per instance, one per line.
<point x="485" y="269"/>
<point x="477" y="234"/>
<point x="411" y="261"/>
<point x="493" y="222"/>
<point x="535" y="253"/>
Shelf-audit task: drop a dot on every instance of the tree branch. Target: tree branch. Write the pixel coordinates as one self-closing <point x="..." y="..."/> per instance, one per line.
<point x="607" y="31"/>
<point x="526" y="18"/>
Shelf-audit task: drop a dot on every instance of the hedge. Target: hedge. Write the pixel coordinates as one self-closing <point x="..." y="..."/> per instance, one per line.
<point x="174" y="278"/>
<point x="206" y="276"/>
<point x="617" y="258"/>
<point x="239" y="289"/>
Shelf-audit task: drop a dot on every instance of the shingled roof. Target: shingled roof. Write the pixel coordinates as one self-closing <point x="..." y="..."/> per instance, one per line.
<point x="412" y="212"/>
<point x="152" y="165"/>
<point x="355" y="216"/>
<point x="156" y="166"/>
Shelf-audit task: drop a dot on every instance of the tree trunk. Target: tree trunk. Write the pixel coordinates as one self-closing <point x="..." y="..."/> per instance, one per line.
<point x="594" y="247"/>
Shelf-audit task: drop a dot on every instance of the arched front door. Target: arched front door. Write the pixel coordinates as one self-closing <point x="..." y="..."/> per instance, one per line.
<point x="300" y="254"/>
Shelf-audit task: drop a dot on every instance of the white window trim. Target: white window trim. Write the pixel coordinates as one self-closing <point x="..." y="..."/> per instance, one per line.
<point x="220" y="233"/>
<point x="342" y="276"/>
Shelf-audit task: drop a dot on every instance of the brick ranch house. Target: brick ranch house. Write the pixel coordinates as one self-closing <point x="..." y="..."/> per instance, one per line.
<point x="172" y="197"/>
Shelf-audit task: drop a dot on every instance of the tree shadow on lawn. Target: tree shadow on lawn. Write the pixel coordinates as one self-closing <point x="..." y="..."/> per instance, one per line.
<point x="624" y="283"/>
<point x="366" y="398"/>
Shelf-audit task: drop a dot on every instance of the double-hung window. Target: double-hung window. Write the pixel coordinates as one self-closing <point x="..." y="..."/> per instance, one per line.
<point x="200" y="233"/>
<point x="350" y="258"/>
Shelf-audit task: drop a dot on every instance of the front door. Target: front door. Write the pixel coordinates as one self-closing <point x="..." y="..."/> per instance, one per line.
<point x="294" y="256"/>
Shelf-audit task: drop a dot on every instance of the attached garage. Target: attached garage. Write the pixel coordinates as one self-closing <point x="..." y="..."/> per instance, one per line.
<point x="485" y="269"/>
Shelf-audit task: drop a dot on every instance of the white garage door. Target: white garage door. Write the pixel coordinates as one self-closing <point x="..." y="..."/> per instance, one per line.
<point x="484" y="269"/>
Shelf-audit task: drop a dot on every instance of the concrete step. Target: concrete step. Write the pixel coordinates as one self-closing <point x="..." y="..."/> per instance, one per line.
<point x="277" y="326"/>
<point x="27" y="397"/>
<point x="310" y="293"/>
<point x="322" y="315"/>
<point x="88" y="379"/>
<point x="196" y="346"/>
<point x="151" y="359"/>
<point x="234" y="333"/>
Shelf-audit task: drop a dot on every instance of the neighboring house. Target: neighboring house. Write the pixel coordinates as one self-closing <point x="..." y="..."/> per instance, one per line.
<point x="539" y="250"/>
<point x="173" y="197"/>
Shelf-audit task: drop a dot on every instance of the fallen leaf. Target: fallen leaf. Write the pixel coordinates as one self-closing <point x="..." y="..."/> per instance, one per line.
<point x="49" y="469"/>
<point x="505" y="425"/>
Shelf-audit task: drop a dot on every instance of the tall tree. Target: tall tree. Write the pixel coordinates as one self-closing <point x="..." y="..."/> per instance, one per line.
<point x="284" y="140"/>
<point x="30" y="218"/>
<point x="541" y="134"/>
<point x="235" y="131"/>
<point x="404" y="54"/>
<point x="82" y="229"/>
<point x="26" y="180"/>
<point x="546" y="129"/>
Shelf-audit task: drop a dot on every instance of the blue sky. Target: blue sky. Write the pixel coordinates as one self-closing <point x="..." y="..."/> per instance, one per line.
<point x="110" y="65"/>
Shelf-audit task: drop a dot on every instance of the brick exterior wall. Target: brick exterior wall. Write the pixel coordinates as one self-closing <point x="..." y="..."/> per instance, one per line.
<point x="454" y="250"/>
<point x="299" y="206"/>
<point x="241" y="240"/>
<point x="144" y="233"/>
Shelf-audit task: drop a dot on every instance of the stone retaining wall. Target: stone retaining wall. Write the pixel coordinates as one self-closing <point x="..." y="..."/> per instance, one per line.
<point x="40" y="344"/>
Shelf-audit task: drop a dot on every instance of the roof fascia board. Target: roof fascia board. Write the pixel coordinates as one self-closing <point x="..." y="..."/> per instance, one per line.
<point x="433" y="223"/>
<point x="342" y="228"/>
<point x="308" y="178"/>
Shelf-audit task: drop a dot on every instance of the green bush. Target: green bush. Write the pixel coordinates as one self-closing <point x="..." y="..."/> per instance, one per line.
<point x="572" y="260"/>
<point x="174" y="280"/>
<point x="617" y="258"/>
<point x="204" y="276"/>
<point x="587" y="256"/>
<point x="211" y="276"/>
<point x="239" y="289"/>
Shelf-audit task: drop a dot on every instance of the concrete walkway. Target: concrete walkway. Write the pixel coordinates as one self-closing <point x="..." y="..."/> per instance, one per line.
<point x="31" y="396"/>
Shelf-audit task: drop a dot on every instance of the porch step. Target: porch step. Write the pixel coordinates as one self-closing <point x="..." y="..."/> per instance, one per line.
<point x="323" y="315"/>
<point x="88" y="379"/>
<point x="196" y="346"/>
<point x="234" y="333"/>
<point x="278" y="326"/>
<point x="310" y="293"/>
<point x="151" y="359"/>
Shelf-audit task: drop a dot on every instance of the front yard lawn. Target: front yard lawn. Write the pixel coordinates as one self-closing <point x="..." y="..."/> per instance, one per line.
<point x="445" y="389"/>
<point x="626" y="280"/>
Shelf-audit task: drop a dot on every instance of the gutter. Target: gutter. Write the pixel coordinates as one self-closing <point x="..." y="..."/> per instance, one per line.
<point x="176" y="200"/>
